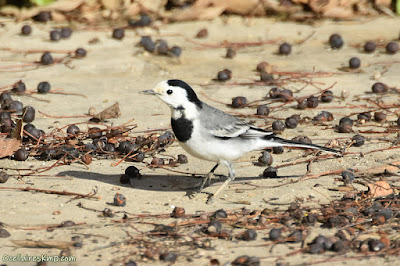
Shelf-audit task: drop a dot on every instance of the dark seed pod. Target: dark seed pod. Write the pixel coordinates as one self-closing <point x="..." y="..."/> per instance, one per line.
<point x="278" y="150"/>
<point x="28" y="114"/>
<point x="139" y="157"/>
<point x="230" y="53"/>
<point x="168" y="256"/>
<point x="4" y="96"/>
<point x="336" y="41"/>
<point x="132" y="172"/>
<point x="86" y="159"/>
<point x="312" y="102"/>
<point x="178" y="212"/>
<point x="43" y="87"/>
<point x="203" y="33"/>
<point x="323" y="116"/>
<point x="26" y="30"/>
<point x="275" y="234"/>
<point x="239" y="102"/>
<point x="108" y="212"/>
<point x="157" y="161"/>
<point x="119" y="200"/>
<point x="46" y="59"/>
<point x="392" y="48"/>
<point x="302" y="139"/>
<point x="162" y="47"/>
<point x="296" y="236"/>
<point x="327" y="96"/>
<point x="224" y="75"/>
<point x="265" y="159"/>
<point x="124" y="179"/>
<point x="143" y="21"/>
<point x="379" y="87"/>
<point x="285" y="48"/>
<point x="278" y="126"/>
<point x="65" y="33"/>
<point x="43" y="16"/>
<point x="182" y="159"/>
<point x="316" y="248"/>
<point x="19" y="88"/>
<point x="284" y="94"/>
<point x="147" y="43"/>
<point x="73" y="130"/>
<point x="175" y="51"/>
<point x="263" y="110"/>
<point x="67" y="223"/>
<point x="348" y="177"/>
<point x="248" y="235"/>
<point x="369" y="47"/>
<point x="358" y="140"/>
<point x="220" y="214"/>
<point x="354" y="63"/>
<point x="109" y="147"/>
<point x="118" y="33"/>
<point x="55" y="35"/>
<point x="3" y="177"/>
<point x="21" y="154"/>
<point x="15" y="107"/>
<point x="264" y="76"/>
<point x="291" y="122"/>
<point x="95" y="132"/>
<point x="380" y="116"/>
<point x="4" y="233"/>
<point x="345" y="120"/>
<point x="80" y="53"/>
<point x="270" y="172"/>
<point x="263" y="67"/>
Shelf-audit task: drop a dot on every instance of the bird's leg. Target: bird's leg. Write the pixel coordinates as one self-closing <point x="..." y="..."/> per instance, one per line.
<point x="207" y="178"/>
<point x="225" y="184"/>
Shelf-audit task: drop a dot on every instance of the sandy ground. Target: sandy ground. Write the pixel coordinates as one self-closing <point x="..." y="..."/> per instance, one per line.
<point x="115" y="71"/>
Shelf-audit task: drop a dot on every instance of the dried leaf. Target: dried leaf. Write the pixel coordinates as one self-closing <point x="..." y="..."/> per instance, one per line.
<point x="43" y="244"/>
<point x="111" y="112"/>
<point x="18" y="131"/>
<point x="8" y="146"/>
<point x="380" y="189"/>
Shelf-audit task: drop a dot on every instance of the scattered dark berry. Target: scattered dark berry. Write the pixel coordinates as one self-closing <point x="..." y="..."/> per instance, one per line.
<point x="275" y="234"/>
<point x="345" y="120"/>
<point x="109" y="147"/>
<point x="176" y="51"/>
<point x="28" y="114"/>
<point x="4" y="96"/>
<point x="336" y="41"/>
<point x="46" y="59"/>
<point x="73" y="130"/>
<point x="354" y="63"/>
<point x="67" y="223"/>
<point x="55" y="35"/>
<point x="348" y="177"/>
<point x="265" y="159"/>
<point x="312" y="102"/>
<point x="323" y="116"/>
<point x="224" y="75"/>
<point x="214" y="227"/>
<point x="95" y="132"/>
<point x="263" y="110"/>
<point x="130" y="263"/>
<point x="327" y="96"/>
<point x="249" y="235"/>
<point x="21" y="154"/>
<point x="132" y="172"/>
<point x="278" y="126"/>
<point x="230" y="53"/>
<point x="220" y="214"/>
<point x="285" y="48"/>
<point x="43" y="16"/>
<point x="264" y="67"/>
<point x="316" y="248"/>
<point x="86" y="158"/>
<point x="15" y="106"/>
<point x="80" y="52"/>
<point x="266" y="77"/>
<point x="364" y="116"/>
<point x="118" y="33"/>
<point x="369" y="47"/>
<point x="392" y="48"/>
<point x="119" y="200"/>
<point x="284" y="94"/>
<point x="19" y="88"/>
<point x="302" y="139"/>
<point x="124" y="179"/>
<point x="278" y="150"/>
<point x="380" y="116"/>
<point x="139" y="157"/>
<point x="26" y="30"/>
<point x="291" y="122"/>
<point x="162" y="47"/>
<point x="3" y="177"/>
<point x="379" y="87"/>
<point x="157" y="161"/>
<point x="239" y="102"/>
<point x="43" y="87"/>
<point x="358" y="140"/>
<point x="143" y="21"/>
<point x="65" y="33"/>
<point x="182" y="159"/>
<point x="270" y="172"/>
<point x="168" y="256"/>
<point x="203" y="33"/>
<point x="4" y="233"/>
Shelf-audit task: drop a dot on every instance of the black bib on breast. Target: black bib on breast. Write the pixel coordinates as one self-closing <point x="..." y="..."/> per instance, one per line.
<point x="183" y="128"/>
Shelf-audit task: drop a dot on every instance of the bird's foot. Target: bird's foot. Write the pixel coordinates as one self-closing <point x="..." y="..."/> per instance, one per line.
<point x="199" y="188"/>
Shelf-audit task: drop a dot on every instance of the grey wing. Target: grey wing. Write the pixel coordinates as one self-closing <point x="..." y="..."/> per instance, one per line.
<point x="224" y="125"/>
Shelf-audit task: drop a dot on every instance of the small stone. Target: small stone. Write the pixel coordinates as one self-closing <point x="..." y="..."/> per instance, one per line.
<point x="55" y="35"/>
<point x="43" y="87"/>
<point x="285" y="48"/>
<point x="203" y="33"/>
<point x="67" y="223"/>
<point x="278" y="126"/>
<point x="143" y="21"/>
<point x="175" y="51"/>
<point x="392" y="48"/>
<point x="354" y="63"/>
<point x="214" y="227"/>
<point x="265" y="159"/>
<point x="291" y="122"/>
<point x="168" y="256"/>
<point x="65" y="33"/>
<point x="270" y="172"/>
<point x="132" y="172"/>
<point x="157" y="161"/>
<point x="278" y="150"/>
<point x="275" y="234"/>
<point x="182" y="159"/>
<point x="358" y="140"/>
<point x="4" y="233"/>
<point x="379" y="87"/>
<point x="46" y="59"/>
<point x="26" y="30"/>
<point x="380" y="116"/>
<point x="224" y="75"/>
<point x="118" y="33"/>
<point x="336" y="41"/>
<point x="348" y="177"/>
<point x="239" y="102"/>
<point x="369" y="47"/>
<point x="296" y="236"/>
<point x="80" y="53"/>
<point x="119" y="200"/>
<point x="86" y="159"/>
<point x="263" y="110"/>
<point x="108" y="212"/>
<point x="312" y="102"/>
<point x="327" y="96"/>
<point x="21" y="154"/>
<point x="18" y="88"/>
<point x="230" y="53"/>
<point x="249" y="235"/>
<point x="220" y="214"/>
<point x="3" y="177"/>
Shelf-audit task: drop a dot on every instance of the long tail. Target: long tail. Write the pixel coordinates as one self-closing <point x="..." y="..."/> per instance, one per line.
<point x="291" y="143"/>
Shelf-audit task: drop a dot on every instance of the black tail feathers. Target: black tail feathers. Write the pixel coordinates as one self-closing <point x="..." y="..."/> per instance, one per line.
<point x="291" y="143"/>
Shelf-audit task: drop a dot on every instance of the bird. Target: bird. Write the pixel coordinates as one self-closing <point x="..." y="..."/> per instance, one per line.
<point x="210" y="134"/>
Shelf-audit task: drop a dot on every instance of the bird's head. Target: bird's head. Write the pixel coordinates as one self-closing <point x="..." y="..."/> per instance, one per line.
<point x="176" y="93"/>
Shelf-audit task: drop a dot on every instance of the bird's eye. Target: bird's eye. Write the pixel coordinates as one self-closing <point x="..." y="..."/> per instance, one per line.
<point x="169" y="91"/>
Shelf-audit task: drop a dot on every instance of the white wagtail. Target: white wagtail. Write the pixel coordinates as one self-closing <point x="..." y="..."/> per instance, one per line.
<point x="210" y="134"/>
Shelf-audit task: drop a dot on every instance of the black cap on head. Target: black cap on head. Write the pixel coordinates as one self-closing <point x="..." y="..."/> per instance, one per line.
<point x="192" y="97"/>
